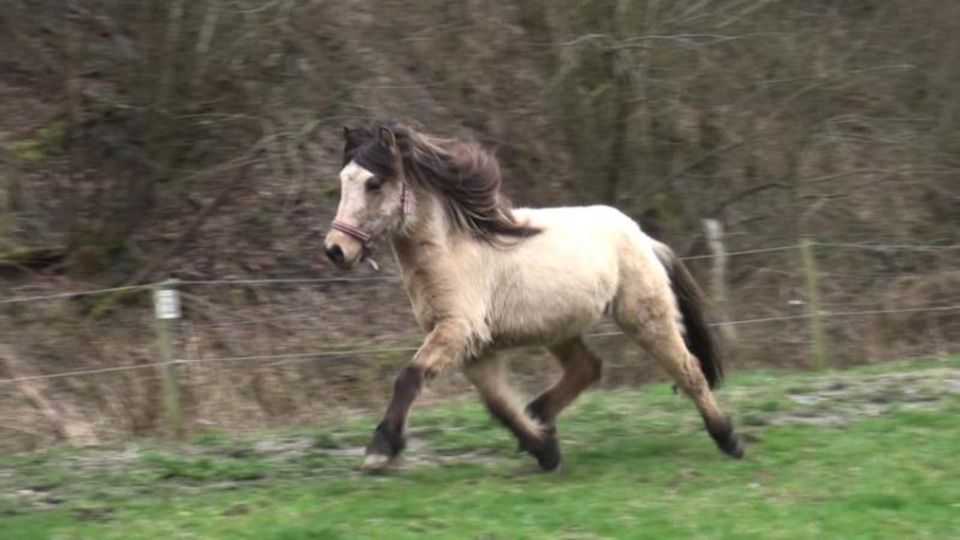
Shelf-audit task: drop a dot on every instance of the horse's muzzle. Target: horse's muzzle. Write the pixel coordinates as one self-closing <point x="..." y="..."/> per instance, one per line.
<point x="335" y="254"/>
<point x="343" y="250"/>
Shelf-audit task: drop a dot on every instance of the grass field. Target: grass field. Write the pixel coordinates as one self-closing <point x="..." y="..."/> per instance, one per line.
<point x="866" y="453"/>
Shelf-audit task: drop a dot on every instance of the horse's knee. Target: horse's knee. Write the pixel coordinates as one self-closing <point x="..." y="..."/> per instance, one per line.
<point x="448" y="345"/>
<point x="409" y="381"/>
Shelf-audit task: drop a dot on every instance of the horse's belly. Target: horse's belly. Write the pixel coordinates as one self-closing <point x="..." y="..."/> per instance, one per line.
<point x="533" y="319"/>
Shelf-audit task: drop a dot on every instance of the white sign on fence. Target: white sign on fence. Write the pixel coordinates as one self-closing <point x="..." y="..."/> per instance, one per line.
<point x="166" y="303"/>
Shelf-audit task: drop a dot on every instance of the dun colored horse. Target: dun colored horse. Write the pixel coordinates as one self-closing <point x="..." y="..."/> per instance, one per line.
<point x="483" y="277"/>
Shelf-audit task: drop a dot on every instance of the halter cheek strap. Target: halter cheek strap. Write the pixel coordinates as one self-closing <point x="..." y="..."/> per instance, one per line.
<point x="406" y="203"/>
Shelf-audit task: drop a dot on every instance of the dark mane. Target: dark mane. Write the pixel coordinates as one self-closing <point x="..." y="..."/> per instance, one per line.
<point x="461" y="173"/>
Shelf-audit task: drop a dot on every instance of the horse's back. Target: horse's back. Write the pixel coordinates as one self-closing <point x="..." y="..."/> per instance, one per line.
<point x="578" y="219"/>
<point x="586" y="234"/>
<point x="558" y="283"/>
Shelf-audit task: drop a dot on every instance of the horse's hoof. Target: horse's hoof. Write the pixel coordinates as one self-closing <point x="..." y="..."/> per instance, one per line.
<point x="375" y="462"/>
<point x="549" y="457"/>
<point x="733" y="447"/>
<point x="548" y="452"/>
<point x="383" y="448"/>
<point x="727" y="441"/>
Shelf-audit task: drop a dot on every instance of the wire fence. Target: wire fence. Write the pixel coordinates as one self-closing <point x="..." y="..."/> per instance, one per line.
<point x="410" y="349"/>
<point x="306" y="314"/>
<point x="307" y="311"/>
<point x="354" y="279"/>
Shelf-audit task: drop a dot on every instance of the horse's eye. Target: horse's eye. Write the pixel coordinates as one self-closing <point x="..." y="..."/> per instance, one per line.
<point x="374" y="184"/>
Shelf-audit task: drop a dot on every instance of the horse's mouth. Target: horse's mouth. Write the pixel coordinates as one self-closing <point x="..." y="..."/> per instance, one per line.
<point x="365" y="256"/>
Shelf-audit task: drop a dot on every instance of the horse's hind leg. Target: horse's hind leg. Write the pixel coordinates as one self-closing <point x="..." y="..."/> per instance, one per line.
<point x="487" y="373"/>
<point x="652" y="322"/>
<point x="581" y="368"/>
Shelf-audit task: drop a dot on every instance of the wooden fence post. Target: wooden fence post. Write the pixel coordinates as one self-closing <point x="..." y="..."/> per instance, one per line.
<point x="718" y="276"/>
<point x="166" y="302"/>
<point x="817" y="344"/>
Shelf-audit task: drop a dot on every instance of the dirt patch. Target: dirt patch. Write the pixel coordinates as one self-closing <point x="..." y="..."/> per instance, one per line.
<point x="842" y="400"/>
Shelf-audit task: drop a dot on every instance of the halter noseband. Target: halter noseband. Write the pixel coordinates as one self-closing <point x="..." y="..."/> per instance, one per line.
<point x="406" y="202"/>
<point x="351" y="231"/>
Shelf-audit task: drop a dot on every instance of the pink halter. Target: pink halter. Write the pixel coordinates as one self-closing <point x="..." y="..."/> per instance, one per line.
<point x="406" y="202"/>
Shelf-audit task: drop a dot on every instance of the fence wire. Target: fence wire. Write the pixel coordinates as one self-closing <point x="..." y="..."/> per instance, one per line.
<point x="389" y="350"/>
<point x="390" y="277"/>
<point x="410" y="348"/>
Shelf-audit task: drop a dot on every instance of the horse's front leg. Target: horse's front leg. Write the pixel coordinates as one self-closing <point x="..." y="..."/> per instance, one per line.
<point x="446" y="346"/>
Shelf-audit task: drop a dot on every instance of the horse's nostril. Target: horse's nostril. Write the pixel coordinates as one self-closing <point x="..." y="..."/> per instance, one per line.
<point x="335" y="254"/>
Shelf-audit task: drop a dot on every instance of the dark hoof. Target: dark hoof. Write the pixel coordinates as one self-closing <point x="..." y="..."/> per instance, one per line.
<point x="383" y="448"/>
<point x="727" y="441"/>
<point x="546" y="450"/>
<point x="732" y="447"/>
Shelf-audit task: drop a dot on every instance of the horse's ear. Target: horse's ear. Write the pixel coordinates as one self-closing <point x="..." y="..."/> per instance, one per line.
<point x="387" y="137"/>
<point x="350" y="139"/>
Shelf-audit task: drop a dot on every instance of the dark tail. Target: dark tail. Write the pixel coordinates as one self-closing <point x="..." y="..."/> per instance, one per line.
<point x="690" y="298"/>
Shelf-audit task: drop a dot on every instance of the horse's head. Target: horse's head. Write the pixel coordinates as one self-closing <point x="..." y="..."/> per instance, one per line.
<point x="373" y="194"/>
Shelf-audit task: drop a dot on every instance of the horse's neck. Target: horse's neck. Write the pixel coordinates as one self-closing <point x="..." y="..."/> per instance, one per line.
<point x="426" y="235"/>
<point x="424" y="251"/>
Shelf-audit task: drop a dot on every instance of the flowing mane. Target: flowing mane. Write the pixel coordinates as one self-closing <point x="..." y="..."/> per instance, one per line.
<point x="462" y="173"/>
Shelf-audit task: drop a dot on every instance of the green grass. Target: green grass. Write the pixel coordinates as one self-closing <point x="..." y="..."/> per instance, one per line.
<point x="638" y="465"/>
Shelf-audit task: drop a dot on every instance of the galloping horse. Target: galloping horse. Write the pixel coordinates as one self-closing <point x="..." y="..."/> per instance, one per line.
<point x="482" y="277"/>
